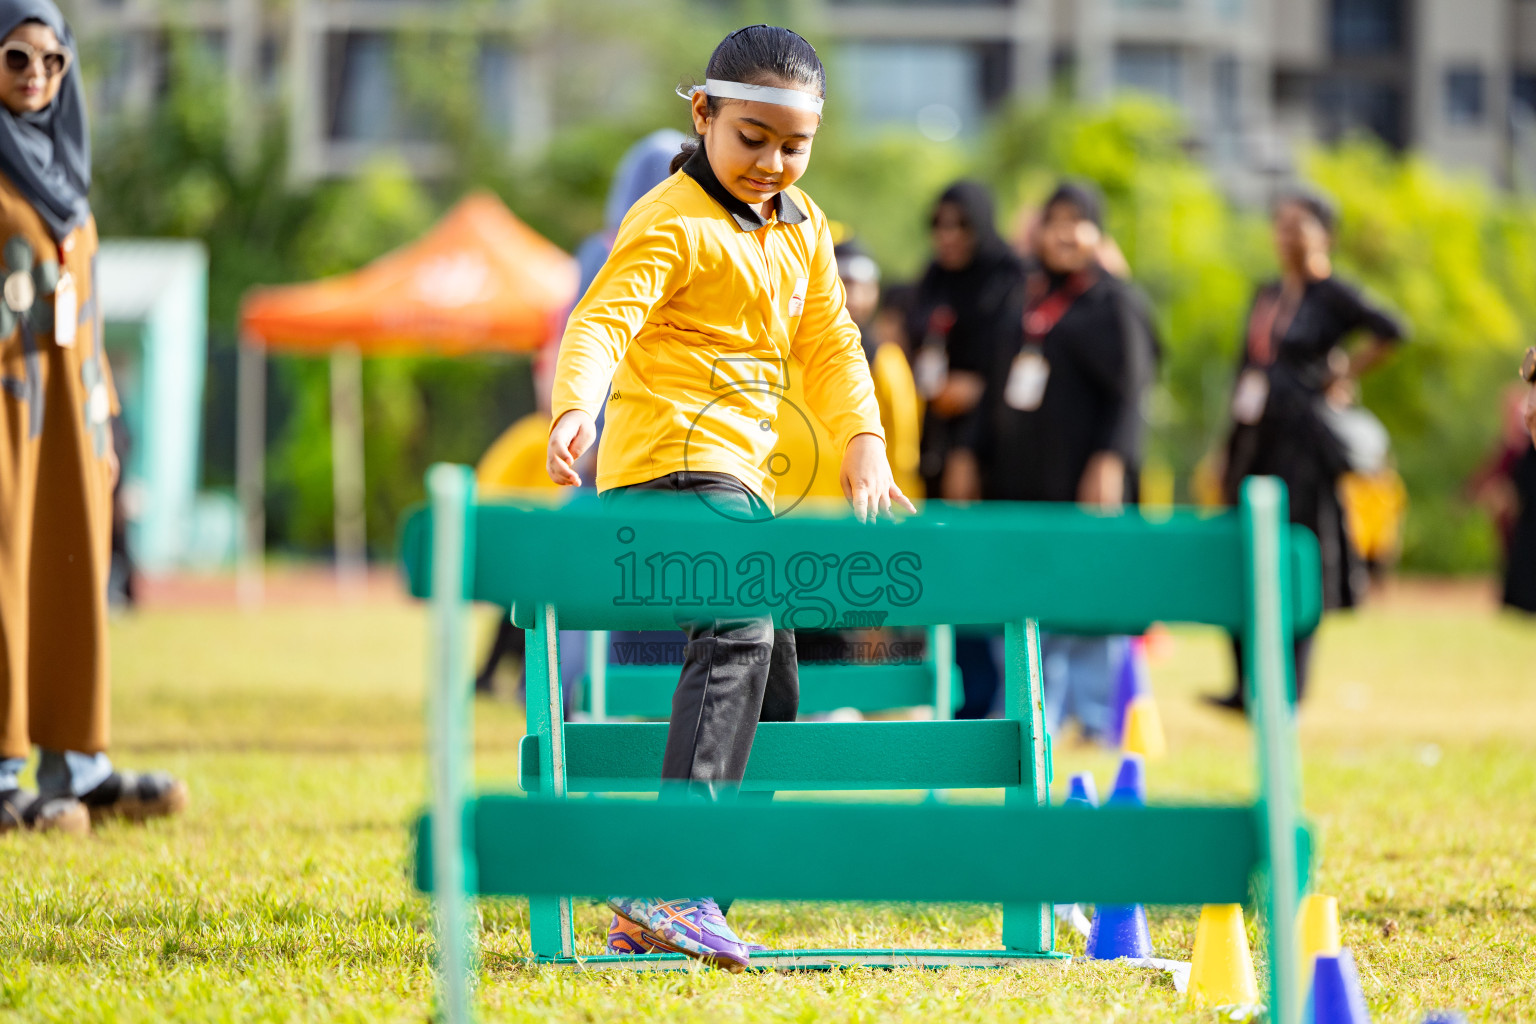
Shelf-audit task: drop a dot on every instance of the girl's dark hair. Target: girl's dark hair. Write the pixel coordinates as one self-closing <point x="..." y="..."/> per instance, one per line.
<point x="1314" y="202"/>
<point x="761" y="55"/>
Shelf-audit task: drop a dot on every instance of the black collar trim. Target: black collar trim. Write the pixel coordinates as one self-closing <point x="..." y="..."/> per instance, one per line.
<point x="746" y="217"/>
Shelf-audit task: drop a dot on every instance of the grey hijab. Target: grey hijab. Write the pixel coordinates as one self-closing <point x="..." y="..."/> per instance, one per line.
<point x="47" y="155"/>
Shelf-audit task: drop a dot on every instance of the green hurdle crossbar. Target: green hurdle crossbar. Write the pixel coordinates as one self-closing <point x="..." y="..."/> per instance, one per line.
<point x="645" y="691"/>
<point x="582" y="566"/>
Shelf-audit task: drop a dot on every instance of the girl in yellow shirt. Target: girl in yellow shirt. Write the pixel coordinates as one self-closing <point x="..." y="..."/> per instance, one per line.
<point x="717" y="277"/>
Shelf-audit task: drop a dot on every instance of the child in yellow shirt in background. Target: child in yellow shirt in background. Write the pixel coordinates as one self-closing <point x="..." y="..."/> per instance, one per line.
<point x="717" y="277"/>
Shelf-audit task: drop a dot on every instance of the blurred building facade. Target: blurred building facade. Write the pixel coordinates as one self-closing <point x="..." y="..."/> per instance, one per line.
<point x="1453" y="78"/>
<point x="338" y="56"/>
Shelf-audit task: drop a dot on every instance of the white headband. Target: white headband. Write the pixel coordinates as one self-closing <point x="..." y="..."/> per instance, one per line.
<point x="760" y="93"/>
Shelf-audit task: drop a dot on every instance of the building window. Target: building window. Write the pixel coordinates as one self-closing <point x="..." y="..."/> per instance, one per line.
<point x="1464" y="96"/>
<point x="1158" y="70"/>
<point x="1227" y="84"/>
<point x="1522" y="89"/>
<point x="364" y="106"/>
<point x="1349" y="103"/>
<point x="942" y="89"/>
<point x="496" y="62"/>
<point x="367" y="101"/>
<point x="1364" y="27"/>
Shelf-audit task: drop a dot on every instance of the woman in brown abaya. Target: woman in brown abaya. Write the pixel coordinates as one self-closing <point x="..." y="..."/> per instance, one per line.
<point x="57" y="465"/>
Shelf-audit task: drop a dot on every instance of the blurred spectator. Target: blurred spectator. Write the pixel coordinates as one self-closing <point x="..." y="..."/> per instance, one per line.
<point x="1292" y="375"/>
<point x="516" y="460"/>
<point x="58" y="465"/>
<point x="1506" y="487"/>
<point x="1528" y="373"/>
<point x="900" y="415"/>
<point x="1372" y="494"/>
<point x="961" y="299"/>
<point x="1063" y="415"/>
<point x="901" y="409"/>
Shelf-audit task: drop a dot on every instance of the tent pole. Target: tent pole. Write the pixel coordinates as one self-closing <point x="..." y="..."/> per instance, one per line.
<point x="347" y="478"/>
<point x="250" y="469"/>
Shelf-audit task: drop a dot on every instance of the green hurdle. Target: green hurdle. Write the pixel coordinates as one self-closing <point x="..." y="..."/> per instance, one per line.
<point x="645" y="691"/>
<point x="585" y="567"/>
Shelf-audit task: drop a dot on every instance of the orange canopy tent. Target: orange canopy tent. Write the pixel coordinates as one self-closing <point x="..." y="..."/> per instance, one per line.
<point x="479" y="281"/>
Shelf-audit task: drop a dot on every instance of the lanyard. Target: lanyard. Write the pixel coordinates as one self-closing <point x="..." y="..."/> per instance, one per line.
<point x="1042" y="316"/>
<point x="1265" y="322"/>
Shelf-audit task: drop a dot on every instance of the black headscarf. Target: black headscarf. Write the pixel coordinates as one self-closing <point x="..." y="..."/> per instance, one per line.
<point x="1082" y="194"/>
<point x="47" y="155"/>
<point x="975" y="292"/>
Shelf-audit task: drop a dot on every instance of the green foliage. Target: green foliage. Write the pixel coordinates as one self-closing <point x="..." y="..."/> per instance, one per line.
<point x="1456" y="260"/>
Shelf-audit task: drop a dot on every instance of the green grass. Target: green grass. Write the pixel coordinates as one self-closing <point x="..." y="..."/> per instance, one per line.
<point x="282" y="896"/>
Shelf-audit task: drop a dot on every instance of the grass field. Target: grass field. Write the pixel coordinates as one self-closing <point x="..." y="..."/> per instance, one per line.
<point x="282" y="894"/>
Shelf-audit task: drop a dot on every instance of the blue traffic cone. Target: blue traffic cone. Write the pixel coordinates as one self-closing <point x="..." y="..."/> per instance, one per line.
<point x="1120" y="929"/>
<point x="1336" y="995"/>
<point x="1082" y="790"/>
<point x="1130" y="782"/>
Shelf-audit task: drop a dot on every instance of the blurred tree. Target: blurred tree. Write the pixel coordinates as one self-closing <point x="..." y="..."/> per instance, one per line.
<point x="1457" y="259"/>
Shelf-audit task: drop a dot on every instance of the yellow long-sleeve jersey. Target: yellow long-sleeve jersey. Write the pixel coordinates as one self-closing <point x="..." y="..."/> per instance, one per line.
<point x="694" y="319"/>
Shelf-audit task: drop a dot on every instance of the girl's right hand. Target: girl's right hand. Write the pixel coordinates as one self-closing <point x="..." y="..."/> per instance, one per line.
<point x="572" y="435"/>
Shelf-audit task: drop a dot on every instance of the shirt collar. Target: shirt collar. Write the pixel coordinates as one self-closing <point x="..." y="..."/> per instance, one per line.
<point x="746" y="217"/>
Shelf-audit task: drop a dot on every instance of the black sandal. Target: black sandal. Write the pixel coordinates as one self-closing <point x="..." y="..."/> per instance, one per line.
<point x="13" y="804"/>
<point x="136" y="797"/>
<point x="20" y="809"/>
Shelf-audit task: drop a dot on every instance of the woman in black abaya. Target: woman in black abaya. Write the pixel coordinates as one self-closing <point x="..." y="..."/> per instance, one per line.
<point x="1293" y="357"/>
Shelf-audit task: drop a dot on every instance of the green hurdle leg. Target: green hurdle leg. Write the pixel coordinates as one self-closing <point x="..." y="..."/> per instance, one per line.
<point x="941" y="658"/>
<point x="1268" y="633"/>
<point x="597" y="674"/>
<point x="549" y="917"/>
<point x="1030" y="927"/>
<point x="451" y="701"/>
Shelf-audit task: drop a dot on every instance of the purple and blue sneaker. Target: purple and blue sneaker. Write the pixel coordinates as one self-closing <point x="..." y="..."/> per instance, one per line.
<point x="695" y="928"/>
<point x="625" y="938"/>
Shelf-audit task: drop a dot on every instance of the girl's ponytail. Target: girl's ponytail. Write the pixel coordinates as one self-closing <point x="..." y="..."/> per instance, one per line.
<point x="689" y="148"/>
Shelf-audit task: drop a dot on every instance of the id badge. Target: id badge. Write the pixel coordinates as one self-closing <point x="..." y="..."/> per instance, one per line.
<point x="797" y="297"/>
<point x="929" y="369"/>
<point x="1251" y="396"/>
<point x="1025" y="389"/>
<point x="66" y="311"/>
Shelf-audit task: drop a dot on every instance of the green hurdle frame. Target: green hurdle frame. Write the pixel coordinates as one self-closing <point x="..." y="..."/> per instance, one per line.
<point x="1247" y="571"/>
<point x="645" y="691"/>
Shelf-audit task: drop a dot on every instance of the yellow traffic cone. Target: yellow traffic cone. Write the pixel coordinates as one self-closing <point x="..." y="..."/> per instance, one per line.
<point x="1143" y="729"/>
<point x="1317" y="934"/>
<point x="1222" y="974"/>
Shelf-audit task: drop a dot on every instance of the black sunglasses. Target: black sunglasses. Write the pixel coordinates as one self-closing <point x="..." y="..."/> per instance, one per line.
<point x="18" y="57"/>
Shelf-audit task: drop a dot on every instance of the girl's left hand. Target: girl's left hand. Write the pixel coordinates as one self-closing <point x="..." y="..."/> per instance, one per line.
<point x="867" y="481"/>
